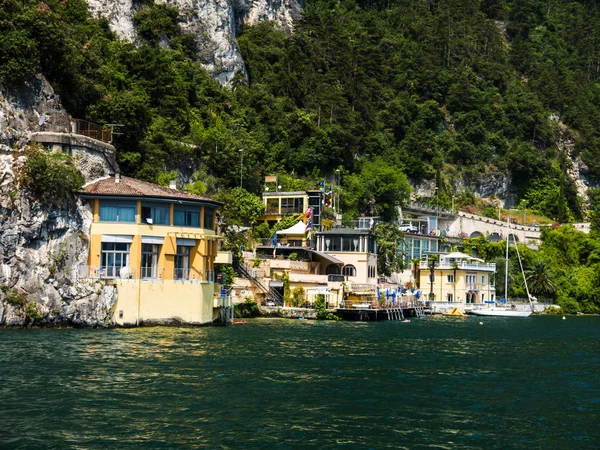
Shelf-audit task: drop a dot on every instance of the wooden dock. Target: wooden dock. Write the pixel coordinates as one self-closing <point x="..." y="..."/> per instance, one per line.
<point x="375" y="314"/>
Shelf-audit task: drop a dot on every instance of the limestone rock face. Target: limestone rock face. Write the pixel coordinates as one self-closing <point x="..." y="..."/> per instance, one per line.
<point x="215" y="23"/>
<point x="42" y="246"/>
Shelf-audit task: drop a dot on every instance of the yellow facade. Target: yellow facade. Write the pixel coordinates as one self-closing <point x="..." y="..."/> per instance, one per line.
<point x="471" y="284"/>
<point x="159" y="294"/>
<point x="147" y="301"/>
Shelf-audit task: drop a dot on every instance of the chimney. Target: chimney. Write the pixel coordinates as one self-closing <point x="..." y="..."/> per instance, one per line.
<point x="117" y="177"/>
<point x="173" y="184"/>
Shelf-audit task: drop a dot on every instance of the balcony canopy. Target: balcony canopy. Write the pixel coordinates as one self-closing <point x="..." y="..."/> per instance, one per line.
<point x="297" y="229"/>
<point x="460" y="255"/>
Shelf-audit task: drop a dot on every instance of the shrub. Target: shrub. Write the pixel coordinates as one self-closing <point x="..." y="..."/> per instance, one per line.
<point x="51" y="176"/>
<point x="298" y="296"/>
<point x="247" y="309"/>
<point x="293" y="256"/>
<point x="322" y="312"/>
<point x="13" y="297"/>
<point x="32" y="312"/>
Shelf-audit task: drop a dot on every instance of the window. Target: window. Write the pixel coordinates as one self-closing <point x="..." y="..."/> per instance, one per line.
<point x="483" y="279"/>
<point x="349" y="270"/>
<point x="346" y="244"/>
<point x="450" y="278"/>
<point x="272" y="206"/>
<point x="333" y="243"/>
<point x="150" y="260"/>
<point x="333" y="269"/>
<point x="117" y="212"/>
<point x="186" y="217"/>
<point x="371" y="272"/>
<point x="292" y="205"/>
<point x="449" y="298"/>
<point x="208" y="218"/>
<point x="114" y="260"/>
<point x="182" y="263"/>
<point x="471" y="279"/>
<point x="156" y="214"/>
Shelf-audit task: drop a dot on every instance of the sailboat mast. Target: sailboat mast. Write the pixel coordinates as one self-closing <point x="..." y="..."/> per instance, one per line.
<point x="506" y="268"/>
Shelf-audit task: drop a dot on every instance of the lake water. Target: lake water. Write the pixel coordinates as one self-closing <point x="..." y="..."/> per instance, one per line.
<point x="431" y="383"/>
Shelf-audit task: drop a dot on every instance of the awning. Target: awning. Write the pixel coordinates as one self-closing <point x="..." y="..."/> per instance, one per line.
<point x="325" y="256"/>
<point x="186" y="242"/>
<point x="153" y="240"/>
<point x="299" y="228"/>
<point x="117" y="239"/>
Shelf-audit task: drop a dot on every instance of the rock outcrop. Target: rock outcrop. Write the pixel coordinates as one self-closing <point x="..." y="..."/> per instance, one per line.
<point x="215" y="23"/>
<point x="42" y="246"/>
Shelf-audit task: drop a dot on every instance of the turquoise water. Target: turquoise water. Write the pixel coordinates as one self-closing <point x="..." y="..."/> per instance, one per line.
<point x="431" y="383"/>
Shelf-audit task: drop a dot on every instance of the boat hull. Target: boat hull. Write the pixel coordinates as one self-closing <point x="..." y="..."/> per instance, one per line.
<point x="490" y="312"/>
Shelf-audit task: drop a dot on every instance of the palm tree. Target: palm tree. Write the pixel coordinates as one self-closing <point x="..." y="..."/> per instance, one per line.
<point x="455" y="268"/>
<point x="431" y="260"/>
<point x="415" y="270"/>
<point x="540" y="278"/>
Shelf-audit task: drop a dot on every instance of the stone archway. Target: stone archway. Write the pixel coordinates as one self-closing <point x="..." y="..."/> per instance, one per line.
<point x="475" y="234"/>
<point x="513" y="238"/>
<point x="495" y="237"/>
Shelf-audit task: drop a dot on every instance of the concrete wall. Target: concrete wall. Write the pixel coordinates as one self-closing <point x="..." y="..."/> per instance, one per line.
<point x="160" y="301"/>
<point x="466" y="224"/>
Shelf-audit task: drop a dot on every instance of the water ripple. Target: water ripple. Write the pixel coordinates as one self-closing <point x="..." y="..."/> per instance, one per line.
<point x="430" y="384"/>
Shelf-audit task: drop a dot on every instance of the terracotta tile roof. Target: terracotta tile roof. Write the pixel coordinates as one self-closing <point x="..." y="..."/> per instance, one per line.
<point x="130" y="187"/>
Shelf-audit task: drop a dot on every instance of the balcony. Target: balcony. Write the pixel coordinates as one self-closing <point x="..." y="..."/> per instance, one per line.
<point x="459" y="265"/>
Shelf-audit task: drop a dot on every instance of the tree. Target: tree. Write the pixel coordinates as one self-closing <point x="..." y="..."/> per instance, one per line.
<point x="389" y="257"/>
<point x="377" y="190"/>
<point x="431" y="262"/>
<point x="241" y="207"/>
<point x="540" y="278"/>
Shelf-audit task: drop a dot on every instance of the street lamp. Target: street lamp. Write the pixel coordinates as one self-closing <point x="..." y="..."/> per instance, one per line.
<point x="242" y="167"/>
<point x="437" y="202"/>
<point x="336" y="206"/>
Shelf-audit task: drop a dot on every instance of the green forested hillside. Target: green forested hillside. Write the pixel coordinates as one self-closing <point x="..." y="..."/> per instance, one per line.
<point x="437" y="89"/>
<point x="378" y="90"/>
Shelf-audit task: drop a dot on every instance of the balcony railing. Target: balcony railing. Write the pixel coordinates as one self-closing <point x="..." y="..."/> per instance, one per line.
<point x="460" y="265"/>
<point x="110" y="272"/>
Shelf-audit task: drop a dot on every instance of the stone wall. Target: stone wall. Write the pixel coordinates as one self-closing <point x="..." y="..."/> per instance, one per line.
<point x="41" y="245"/>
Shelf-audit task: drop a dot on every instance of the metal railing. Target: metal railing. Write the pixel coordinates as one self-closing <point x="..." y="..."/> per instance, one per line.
<point x="109" y="272"/>
<point x="91" y="130"/>
<point x="152" y="273"/>
<point x="210" y="276"/>
<point x="244" y="271"/>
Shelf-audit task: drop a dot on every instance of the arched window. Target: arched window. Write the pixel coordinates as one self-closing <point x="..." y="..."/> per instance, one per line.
<point x="332" y="269"/>
<point x="494" y="237"/>
<point x="349" y="270"/>
<point x="476" y="234"/>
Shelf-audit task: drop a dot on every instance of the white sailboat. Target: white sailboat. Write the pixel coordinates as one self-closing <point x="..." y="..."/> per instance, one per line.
<point x="502" y="311"/>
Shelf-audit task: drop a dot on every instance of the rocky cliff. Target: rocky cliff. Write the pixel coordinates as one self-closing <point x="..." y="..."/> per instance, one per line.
<point x="42" y="246"/>
<point x="215" y="23"/>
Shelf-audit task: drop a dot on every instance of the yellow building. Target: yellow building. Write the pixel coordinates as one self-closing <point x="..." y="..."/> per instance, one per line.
<point x="457" y="278"/>
<point x="281" y="204"/>
<point x="157" y="245"/>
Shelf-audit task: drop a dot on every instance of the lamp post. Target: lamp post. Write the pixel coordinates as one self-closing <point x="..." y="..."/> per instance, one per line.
<point x="452" y="203"/>
<point x="242" y="167"/>
<point x="437" y="202"/>
<point x="524" y="212"/>
<point x="337" y="182"/>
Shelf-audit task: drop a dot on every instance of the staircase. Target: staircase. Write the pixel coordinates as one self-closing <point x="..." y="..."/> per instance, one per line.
<point x="271" y="294"/>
